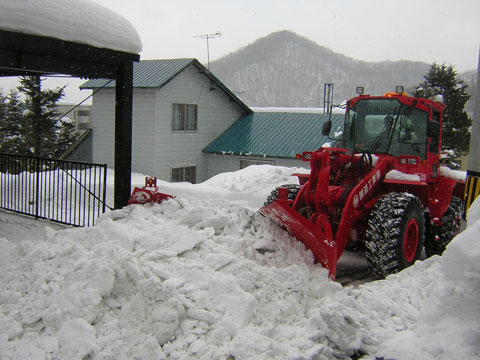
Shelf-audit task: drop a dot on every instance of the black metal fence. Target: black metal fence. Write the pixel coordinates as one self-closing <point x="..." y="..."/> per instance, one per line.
<point x="67" y="192"/>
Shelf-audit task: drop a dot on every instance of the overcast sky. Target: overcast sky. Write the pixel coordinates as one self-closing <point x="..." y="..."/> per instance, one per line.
<point x="445" y="31"/>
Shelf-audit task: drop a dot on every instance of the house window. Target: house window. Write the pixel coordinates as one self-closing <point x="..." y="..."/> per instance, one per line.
<point x="184" y="117"/>
<point x="247" y="162"/>
<point x="184" y="174"/>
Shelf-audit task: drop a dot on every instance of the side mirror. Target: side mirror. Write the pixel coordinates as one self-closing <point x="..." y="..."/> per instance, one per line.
<point x="326" y="127"/>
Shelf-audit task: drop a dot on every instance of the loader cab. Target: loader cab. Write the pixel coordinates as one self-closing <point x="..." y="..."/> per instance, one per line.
<point x="385" y="125"/>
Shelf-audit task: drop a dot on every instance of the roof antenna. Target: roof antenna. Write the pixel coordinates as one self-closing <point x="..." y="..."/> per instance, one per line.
<point x="208" y="37"/>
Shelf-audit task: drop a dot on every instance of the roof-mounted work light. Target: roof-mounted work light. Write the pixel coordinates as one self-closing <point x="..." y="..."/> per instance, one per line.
<point x="360" y="90"/>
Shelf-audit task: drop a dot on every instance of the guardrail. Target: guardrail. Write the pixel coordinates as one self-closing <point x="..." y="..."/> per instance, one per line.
<point x="67" y="192"/>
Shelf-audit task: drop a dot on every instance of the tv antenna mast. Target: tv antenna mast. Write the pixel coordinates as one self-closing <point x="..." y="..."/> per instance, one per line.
<point x="208" y="37"/>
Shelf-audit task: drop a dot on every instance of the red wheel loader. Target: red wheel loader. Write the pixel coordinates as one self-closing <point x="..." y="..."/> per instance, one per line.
<point x="381" y="186"/>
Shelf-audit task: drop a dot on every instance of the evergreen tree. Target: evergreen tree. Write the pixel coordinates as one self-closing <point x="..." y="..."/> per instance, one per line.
<point x="442" y="80"/>
<point x="66" y="136"/>
<point x="11" y="123"/>
<point x="31" y="126"/>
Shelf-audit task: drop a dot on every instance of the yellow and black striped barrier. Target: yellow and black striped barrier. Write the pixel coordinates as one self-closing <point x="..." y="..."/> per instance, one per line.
<point x="472" y="188"/>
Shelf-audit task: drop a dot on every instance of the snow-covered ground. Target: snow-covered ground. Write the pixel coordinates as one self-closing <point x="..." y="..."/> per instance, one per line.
<point x="204" y="276"/>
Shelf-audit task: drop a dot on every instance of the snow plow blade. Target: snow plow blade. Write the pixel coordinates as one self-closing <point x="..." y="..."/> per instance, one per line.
<point x="316" y="236"/>
<point x="148" y="194"/>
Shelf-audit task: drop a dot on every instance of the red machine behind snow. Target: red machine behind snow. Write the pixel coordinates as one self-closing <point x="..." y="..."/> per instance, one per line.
<point x="353" y="195"/>
<point x="148" y="194"/>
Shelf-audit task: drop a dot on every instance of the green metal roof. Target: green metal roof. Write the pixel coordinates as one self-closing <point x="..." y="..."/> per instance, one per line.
<point x="275" y="134"/>
<point x="157" y="73"/>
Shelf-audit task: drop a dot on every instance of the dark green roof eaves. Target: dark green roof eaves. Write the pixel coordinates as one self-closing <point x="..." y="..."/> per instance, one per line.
<point x="274" y="135"/>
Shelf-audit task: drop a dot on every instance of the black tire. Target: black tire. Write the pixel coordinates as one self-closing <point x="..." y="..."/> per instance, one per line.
<point x="293" y="190"/>
<point x="395" y="234"/>
<point x="440" y="236"/>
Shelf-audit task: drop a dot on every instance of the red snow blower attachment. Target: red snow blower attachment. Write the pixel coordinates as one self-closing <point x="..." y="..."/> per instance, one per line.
<point x="148" y="194"/>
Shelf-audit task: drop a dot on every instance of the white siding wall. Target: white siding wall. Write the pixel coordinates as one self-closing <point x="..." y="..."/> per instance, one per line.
<point x="215" y="114"/>
<point x="156" y="148"/>
<point x="144" y="124"/>
<point x="103" y="126"/>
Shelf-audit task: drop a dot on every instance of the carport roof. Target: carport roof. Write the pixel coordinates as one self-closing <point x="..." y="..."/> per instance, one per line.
<point x="26" y="54"/>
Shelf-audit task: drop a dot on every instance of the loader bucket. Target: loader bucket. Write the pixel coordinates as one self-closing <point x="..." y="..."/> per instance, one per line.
<point x="316" y="235"/>
<point x="143" y="196"/>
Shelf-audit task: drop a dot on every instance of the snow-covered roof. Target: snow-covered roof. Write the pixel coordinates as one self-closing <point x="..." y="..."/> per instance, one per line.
<point x="81" y="21"/>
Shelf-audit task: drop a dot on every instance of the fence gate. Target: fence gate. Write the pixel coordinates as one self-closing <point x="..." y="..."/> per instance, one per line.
<point x="67" y="192"/>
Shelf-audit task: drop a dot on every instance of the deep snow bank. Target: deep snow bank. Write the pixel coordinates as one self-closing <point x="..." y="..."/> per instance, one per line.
<point x="207" y="277"/>
<point x="252" y="184"/>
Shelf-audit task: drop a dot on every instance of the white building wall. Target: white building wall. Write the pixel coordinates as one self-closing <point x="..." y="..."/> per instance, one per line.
<point x="143" y="137"/>
<point x="103" y="128"/>
<point x="156" y="148"/>
<point x="216" y="112"/>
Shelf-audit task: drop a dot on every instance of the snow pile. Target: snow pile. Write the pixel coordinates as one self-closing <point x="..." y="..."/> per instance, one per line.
<point x="398" y="175"/>
<point x="206" y="277"/>
<point x="252" y="184"/>
<point x="453" y="174"/>
<point x="447" y="324"/>
<point x="80" y="21"/>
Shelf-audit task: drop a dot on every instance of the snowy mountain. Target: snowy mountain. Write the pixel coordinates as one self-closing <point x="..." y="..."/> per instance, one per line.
<point x="285" y="69"/>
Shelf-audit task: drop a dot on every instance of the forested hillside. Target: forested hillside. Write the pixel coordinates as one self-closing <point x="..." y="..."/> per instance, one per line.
<point x="285" y="69"/>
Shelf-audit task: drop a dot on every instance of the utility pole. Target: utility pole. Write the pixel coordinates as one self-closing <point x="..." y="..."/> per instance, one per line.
<point x="472" y="188"/>
<point x="208" y="37"/>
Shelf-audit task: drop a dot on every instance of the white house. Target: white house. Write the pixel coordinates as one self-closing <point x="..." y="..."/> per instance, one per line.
<point x="179" y="107"/>
<point x="80" y="114"/>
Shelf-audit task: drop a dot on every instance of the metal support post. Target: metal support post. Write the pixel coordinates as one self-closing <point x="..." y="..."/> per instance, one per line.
<point x="472" y="188"/>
